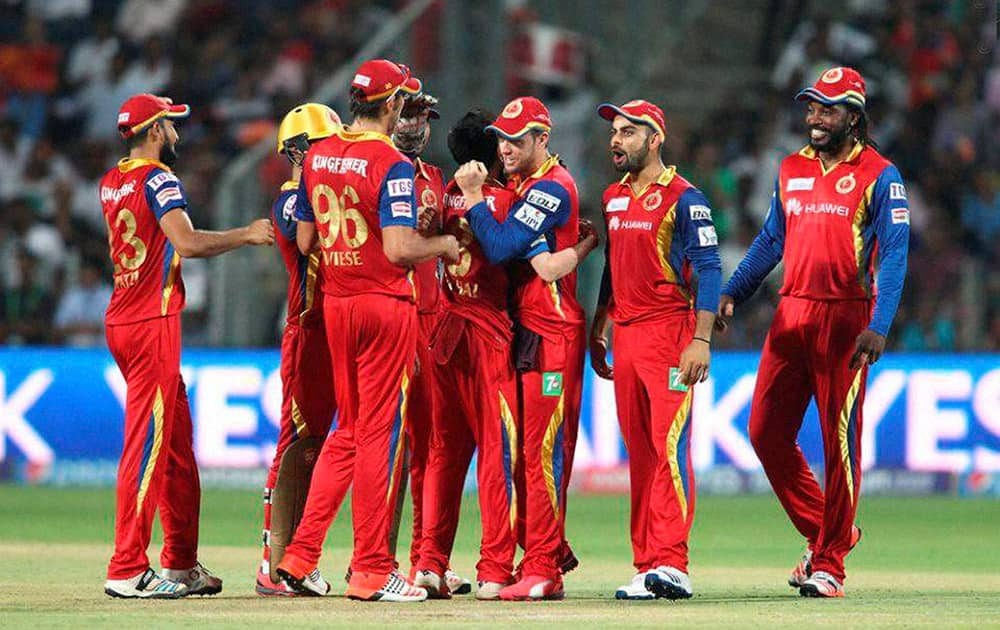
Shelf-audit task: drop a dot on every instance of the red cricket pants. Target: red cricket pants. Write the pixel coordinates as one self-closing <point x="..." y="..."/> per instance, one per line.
<point x="550" y="421"/>
<point x="422" y="412"/>
<point x="157" y="467"/>
<point x="478" y="394"/>
<point x="372" y="340"/>
<point x="307" y="404"/>
<point x="807" y="353"/>
<point x="655" y="418"/>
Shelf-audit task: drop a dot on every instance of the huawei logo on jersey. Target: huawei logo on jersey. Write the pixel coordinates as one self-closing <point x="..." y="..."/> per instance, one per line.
<point x="846" y="184"/>
<point x="793" y="206"/>
<point x="653" y="201"/>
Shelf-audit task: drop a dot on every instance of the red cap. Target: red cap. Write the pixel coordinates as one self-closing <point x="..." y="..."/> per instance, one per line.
<point x="381" y="78"/>
<point x="639" y="111"/>
<point x="142" y="110"/>
<point x="836" y="85"/>
<point x="520" y="116"/>
<point x="412" y="86"/>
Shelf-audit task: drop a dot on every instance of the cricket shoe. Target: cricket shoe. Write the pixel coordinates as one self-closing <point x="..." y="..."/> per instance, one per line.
<point x="381" y="587"/>
<point x="821" y="584"/>
<point x="457" y="585"/>
<point x="635" y="590"/>
<point x="266" y="587"/>
<point x="434" y="584"/>
<point x="198" y="579"/>
<point x="803" y="569"/>
<point x="146" y="585"/>
<point x="489" y="591"/>
<point x="668" y="583"/>
<point x="533" y="588"/>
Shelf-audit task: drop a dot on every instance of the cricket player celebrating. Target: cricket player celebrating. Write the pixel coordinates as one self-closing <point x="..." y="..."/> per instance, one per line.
<point x="836" y="203"/>
<point x="659" y="231"/>
<point x="307" y="406"/>
<point x="550" y="349"/>
<point x="356" y="199"/>
<point x="148" y="233"/>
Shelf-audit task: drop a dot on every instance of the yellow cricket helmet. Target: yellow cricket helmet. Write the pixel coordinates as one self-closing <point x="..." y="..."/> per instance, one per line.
<point x="313" y="120"/>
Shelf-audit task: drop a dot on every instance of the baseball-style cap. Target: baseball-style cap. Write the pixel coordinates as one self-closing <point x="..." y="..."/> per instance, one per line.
<point x="835" y="86"/>
<point x="381" y="78"/>
<point x="142" y="110"/>
<point x="638" y="111"/>
<point x="520" y="116"/>
<point x="412" y="86"/>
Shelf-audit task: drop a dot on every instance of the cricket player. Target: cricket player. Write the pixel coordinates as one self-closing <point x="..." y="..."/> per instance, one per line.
<point x="148" y="233"/>
<point x="356" y="200"/>
<point x="550" y="322"/>
<point x="476" y="381"/>
<point x="660" y="233"/>
<point x="837" y="206"/>
<point x="307" y="406"/>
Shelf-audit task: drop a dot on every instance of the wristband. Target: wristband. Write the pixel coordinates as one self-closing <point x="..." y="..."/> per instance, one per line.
<point x="703" y="339"/>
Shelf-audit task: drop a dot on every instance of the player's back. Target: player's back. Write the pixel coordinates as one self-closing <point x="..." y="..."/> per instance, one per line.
<point x="303" y="271"/>
<point x="135" y="194"/>
<point x="356" y="184"/>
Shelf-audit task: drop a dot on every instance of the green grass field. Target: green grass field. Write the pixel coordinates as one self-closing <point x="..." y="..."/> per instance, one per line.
<point x="924" y="562"/>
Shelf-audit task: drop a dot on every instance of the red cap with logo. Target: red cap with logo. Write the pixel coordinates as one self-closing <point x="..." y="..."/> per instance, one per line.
<point x="835" y="86"/>
<point x="638" y="111"/>
<point x="521" y="116"/>
<point x="142" y="110"/>
<point x="381" y="78"/>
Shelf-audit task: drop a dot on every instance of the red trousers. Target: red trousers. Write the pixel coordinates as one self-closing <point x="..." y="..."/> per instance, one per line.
<point x="157" y="467"/>
<point x="372" y="341"/>
<point x="654" y="411"/>
<point x="478" y="396"/>
<point x="422" y="411"/>
<point x="807" y="354"/>
<point x="307" y="404"/>
<point x="550" y="421"/>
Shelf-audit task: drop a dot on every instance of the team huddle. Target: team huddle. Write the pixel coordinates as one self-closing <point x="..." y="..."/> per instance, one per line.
<point x="430" y="320"/>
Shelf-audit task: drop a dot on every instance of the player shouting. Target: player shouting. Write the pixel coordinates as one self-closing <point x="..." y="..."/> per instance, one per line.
<point x="356" y="199"/>
<point x="148" y="233"/>
<point x="837" y="202"/>
<point x="659" y="231"/>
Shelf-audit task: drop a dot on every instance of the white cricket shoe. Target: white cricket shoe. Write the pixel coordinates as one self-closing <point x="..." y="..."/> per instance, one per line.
<point x="488" y="591"/>
<point x="197" y="579"/>
<point x="146" y="585"/>
<point x="314" y="584"/>
<point x="821" y="584"/>
<point x="635" y="590"/>
<point x="457" y="584"/>
<point x="669" y="583"/>
<point x="434" y="584"/>
<point x="393" y="587"/>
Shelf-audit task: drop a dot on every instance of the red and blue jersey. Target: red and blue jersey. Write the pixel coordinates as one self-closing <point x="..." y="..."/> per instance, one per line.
<point x="830" y="225"/>
<point x="545" y="217"/>
<point x="303" y="271"/>
<point x="353" y="185"/>
<point x="657" y="238"/>
<point x="429" y="190"/>
<point x="135" y="195"/>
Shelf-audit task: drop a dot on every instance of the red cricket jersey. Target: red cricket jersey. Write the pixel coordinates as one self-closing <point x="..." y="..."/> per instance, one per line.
<point x="135" y="195"/>
<point x="303" y="271"/>
<point x="429" y="190"/>
<point x="477" y="290"/>
<point x="353" y="185"/>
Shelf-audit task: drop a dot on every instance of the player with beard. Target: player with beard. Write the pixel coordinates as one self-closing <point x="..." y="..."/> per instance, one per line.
<point x="660" y="231"/>
<point x="149" y="231"/>
<point x="837" y="206"/>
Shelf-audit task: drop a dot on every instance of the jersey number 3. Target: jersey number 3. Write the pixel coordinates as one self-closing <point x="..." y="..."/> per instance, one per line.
<point x="124" y="229"/>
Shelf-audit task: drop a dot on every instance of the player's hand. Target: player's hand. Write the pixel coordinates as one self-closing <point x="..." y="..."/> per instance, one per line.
<point x="587" y="230"/>
<point x="599" y="358"/>
<point x="867" y="349"/>
<point x="727" y="306"/>
<point x="470" y="177"/>
<point x="425" y="221"/>
<point x="451" y="253"/>
<point x="260" y="232"/>
<point x="694" y="362"/>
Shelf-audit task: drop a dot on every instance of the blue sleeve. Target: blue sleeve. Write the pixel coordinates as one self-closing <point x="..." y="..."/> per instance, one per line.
<point x="397" y="203"/>
<point x="701" y="247"/>
<point x="891" y="219"/>
<point x="164" y="192"/>
<point x="765" y="252"/>
<point x="283" y="214"/>
<point x="545" y="206"/>
<point x="303" y="208"/>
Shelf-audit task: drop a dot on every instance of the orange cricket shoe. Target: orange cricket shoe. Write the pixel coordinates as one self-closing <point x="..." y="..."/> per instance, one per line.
<point x="383" y="587"/>
<point x="533" y="588"/>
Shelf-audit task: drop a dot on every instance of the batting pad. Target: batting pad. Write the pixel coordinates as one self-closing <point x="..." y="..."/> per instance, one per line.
<point x="288" y="499"/>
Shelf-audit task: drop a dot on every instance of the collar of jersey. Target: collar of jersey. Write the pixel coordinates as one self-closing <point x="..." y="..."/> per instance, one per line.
<point x="852" y="157"/>
<point x="290" y="185"/>
<point x="420" y="168"/>
<point x="130" y="164"/>
<point x="547" y="165"/>
<point x="359" y="136"/>
<point x="664" y="180"/>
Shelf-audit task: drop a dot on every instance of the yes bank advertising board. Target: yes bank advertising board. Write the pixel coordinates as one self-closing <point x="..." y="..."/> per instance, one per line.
<point x="65" y="407"/>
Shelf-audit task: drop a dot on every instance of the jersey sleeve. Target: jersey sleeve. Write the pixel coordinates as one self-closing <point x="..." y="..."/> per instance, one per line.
<point x="164" y="192"/>
<point x="546" y="205"/>
<point x="397" y="203"/>
<point x="891" y="220"/>
<point x="283" y="214"/>
<point x="765" y="252"/>
<point x="701" y="247"/>
<point x="303" y="207"/>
